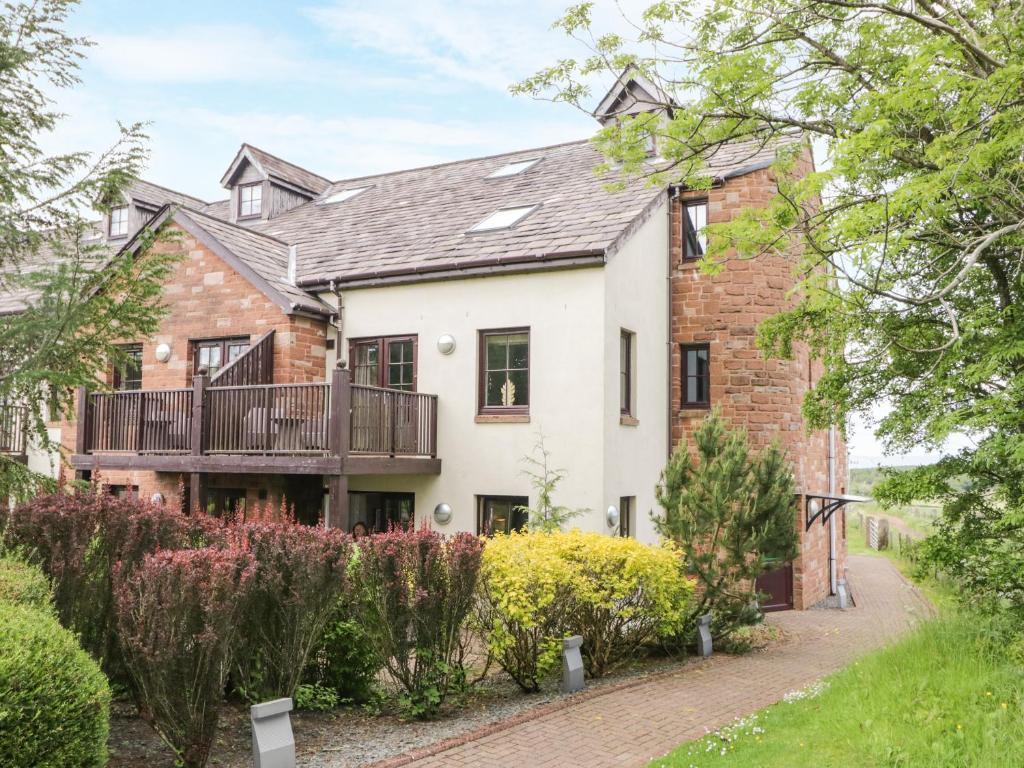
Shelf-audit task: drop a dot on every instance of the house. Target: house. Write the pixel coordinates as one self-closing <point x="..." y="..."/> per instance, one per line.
<point x="390" y="348"/>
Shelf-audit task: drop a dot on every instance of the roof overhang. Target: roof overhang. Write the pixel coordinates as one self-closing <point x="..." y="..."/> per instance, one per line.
<point x="447" y="271"/>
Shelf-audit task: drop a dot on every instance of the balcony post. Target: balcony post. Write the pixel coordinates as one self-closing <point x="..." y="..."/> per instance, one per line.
<point x="197" y="480"/>
<point x="82" y="418"/>
<point x="338" y="441"/>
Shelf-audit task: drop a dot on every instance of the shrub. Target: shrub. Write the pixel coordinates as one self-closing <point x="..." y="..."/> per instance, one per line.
<point x="416" y="590"/>
<point x="24" y="584"/>
<point x="729" y="511"/>
<point x="79" y="538"/>
<point x="315" y="698"/>
<point x="178" y="615"/>
<point x="344" y="659"/>
<point x="298" y="577"/>
<point x="617" y="593"/>
<point x="625" y="594"/>
<point x="54" y="701"/>
<point x="526" y="591"/>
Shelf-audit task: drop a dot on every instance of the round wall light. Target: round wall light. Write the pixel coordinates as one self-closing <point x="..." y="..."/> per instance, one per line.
<point x="163" y="352"/>
<point x="446" y="344"/>
<point x="612" y="516"/>
<point x="157" y="498"/>
<point x="442" y="514"/>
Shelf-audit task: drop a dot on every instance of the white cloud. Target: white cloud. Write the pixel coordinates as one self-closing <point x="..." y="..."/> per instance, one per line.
<point x="487" y="43"/>
<point x="200" y="54"/>
<point x="352" y="146"/>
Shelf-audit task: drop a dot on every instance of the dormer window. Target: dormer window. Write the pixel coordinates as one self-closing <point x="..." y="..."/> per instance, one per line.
<point x="250" y="200"/>
<point x="119" y="221"/>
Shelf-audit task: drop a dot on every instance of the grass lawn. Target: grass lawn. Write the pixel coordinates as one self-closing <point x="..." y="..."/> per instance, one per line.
<point x="943" y="696"/>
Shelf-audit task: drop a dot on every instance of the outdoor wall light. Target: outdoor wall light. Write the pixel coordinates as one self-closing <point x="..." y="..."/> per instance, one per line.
<point x="612" y="516"/>
<point x="157" y="498"/>
<point x="446" y="344"/>
<point x="442" y="514"/>
<point x="163" y="352"/>
<point x="813" y="508"/>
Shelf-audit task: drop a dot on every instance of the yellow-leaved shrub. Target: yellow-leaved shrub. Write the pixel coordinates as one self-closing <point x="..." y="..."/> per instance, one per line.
<point x="537" y="588"/>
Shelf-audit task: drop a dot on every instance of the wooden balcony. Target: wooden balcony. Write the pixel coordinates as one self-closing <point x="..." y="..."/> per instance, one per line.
<point x="14" y="431"/>
<point x="328" y="428"/>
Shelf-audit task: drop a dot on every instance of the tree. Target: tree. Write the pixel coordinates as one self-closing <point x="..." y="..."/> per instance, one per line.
<point x="908" y="237"/>
<point x="729" y="511"/>
<point x="546" y="515"/>
<point x="65" y="298"/>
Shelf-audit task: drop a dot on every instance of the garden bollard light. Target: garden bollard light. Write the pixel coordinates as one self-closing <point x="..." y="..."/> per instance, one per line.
<point x="704" y="635"/>
<point x="273" y="745"/>
<point x="572" y="664"/>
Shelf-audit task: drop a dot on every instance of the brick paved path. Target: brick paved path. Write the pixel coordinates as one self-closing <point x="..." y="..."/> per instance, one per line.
<point x="631" y="726"/>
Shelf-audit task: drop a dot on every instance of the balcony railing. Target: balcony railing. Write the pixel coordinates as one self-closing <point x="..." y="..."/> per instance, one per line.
<point x="262" y="420"/>
<point x="13" y="429"/>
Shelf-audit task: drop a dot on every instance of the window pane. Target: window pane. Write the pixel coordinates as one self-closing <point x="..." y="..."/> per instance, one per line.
<point x="236" y="350"/>
<point x="518" y="351"/>
<point x="494" y="390"/>
<point x="518" y="390"/>
<point x="497" y="352"/>
<point x="696" y="220"/>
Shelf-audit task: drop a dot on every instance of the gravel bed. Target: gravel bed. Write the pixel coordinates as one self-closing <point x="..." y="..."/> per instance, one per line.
<point x="352" y="737"/>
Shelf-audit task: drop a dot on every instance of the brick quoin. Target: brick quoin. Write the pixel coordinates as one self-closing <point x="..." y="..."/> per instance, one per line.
<point x="206" y="298"/>
<point x="764" y="396"/>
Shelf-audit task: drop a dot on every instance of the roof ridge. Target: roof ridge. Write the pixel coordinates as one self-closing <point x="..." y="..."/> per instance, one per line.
<point x="168" y="189"/>
<point x="233" y="225"/>
<point x="287" y="162"/>
<point x="463" y="160"/>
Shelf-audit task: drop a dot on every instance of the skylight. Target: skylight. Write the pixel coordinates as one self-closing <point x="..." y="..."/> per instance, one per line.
<point x="514" y="168"/>
<point x="503" y="218"/>
<point x="342" y="195"/>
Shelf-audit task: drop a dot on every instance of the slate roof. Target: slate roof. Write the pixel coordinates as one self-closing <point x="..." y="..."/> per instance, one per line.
<point x="267" y="256"/>
<point x="156" y="196"/>
<point x="287" y="172"/>
<point x="419" y="220"/>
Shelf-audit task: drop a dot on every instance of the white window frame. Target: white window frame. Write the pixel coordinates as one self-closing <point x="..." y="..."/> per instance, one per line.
<point x="504" y="218"/>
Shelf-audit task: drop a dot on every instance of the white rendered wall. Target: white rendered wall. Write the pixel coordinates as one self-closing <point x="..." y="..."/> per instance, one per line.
<point x="565" y="313"/>
<point x="637" y="300"/>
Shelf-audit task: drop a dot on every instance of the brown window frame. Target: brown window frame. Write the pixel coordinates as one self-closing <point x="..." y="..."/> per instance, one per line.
<point x="627" y="506"/>
<point x="481" y="373"/>
<point x="252" y="214"/>
<point x="224" y="342"/>
<point x="384" y="358"/>
<point x="627" y="351"/>
<point x="514" y="502"/>
<point x="686" y="228"/>
<point x="110" y="222"/>
<point x="685" y="375"/>
<point x="119" y="379"/>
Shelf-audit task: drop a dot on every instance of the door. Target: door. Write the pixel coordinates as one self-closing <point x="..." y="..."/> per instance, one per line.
<point x="776" y="584"/>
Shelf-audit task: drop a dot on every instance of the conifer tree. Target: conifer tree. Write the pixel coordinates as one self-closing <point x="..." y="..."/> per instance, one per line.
<point x="728" y="510"/>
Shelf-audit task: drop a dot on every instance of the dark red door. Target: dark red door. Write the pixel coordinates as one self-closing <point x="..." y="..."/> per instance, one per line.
<point x="777" y="585"/>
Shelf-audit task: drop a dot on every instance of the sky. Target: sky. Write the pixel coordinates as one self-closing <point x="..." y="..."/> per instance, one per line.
<point x="344" y="88"/>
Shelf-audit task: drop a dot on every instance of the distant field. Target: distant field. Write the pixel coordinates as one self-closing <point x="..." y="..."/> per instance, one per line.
<point x="919" y="515"/>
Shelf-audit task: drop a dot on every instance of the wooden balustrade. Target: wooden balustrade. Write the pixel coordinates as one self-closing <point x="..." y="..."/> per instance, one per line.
<point x="254" y="366"/>
<point x="290" y="419"/>
<point x="265" y="420"/>
<point x="392" y="422"/>
<point x="143" y="421"/>
<point x="13" y="429"/>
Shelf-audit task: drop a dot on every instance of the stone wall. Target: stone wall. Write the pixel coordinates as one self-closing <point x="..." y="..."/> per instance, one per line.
<point x="764" y="396"/>
<point x="206" y="298"/>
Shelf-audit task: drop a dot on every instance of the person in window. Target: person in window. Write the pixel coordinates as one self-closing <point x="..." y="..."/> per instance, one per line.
<point x="359" y="530"/>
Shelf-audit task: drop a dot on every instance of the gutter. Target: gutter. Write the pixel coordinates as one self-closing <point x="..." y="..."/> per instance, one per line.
<point x="592" y="257"/>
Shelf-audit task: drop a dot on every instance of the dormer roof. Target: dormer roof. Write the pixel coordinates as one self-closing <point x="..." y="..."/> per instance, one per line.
<point x="276" y="170"/>
<point x="632" y="94"/>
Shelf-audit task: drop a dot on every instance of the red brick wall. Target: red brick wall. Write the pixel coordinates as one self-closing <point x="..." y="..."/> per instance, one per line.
<point x="764" y="396"/>
<point x="206" y="298"/>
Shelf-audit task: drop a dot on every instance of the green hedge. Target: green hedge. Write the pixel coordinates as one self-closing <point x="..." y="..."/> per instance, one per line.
<point x="24" y="584"/>
<point x="54" y="701"/>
